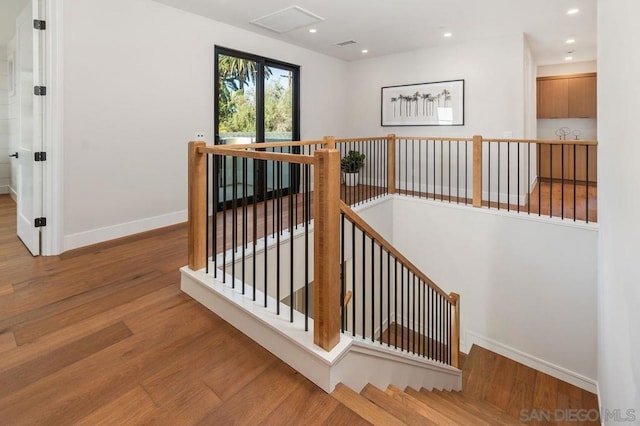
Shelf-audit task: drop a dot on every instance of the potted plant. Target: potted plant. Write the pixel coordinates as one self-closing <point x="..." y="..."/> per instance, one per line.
<point x="351" y="165"/>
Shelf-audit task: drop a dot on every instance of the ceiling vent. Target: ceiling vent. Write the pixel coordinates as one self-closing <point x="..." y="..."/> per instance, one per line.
<point x="288" y="19"/>
<point x="345" y="43"/>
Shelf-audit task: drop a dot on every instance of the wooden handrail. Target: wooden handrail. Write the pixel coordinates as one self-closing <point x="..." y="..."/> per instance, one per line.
<point x="371" y="139"/>
<point x="258" y="155"/>
<point x="367" y="229"/>
<point x="433" y="138"/>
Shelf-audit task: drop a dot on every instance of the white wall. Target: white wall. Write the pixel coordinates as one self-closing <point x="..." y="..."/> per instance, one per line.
<point x="527" y="285"/>
<point x="139" y="88"/>
<point x="618" y="206"/>
<point x="493" y="74"/>
<point x="5" y="163"/>
<point x="567" y="68"/>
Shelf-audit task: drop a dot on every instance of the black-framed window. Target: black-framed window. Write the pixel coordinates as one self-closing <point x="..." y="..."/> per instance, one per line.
<point x="256" y="99"/>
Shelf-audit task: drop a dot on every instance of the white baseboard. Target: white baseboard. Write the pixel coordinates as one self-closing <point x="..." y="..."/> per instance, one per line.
<point x="4" y="189"/>
<point x="13" y="194"/>
<point x="561" y="373"/>
<point x="99" y="235"/>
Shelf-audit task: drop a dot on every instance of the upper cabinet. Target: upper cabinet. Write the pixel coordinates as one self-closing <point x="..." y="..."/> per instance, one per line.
<point x="567" y="96"/>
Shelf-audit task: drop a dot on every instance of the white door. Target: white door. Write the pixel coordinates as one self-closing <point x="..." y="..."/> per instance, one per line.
<point x="30" y="41"/>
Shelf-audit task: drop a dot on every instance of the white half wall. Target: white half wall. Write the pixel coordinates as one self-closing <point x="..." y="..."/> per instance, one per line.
<point x="618" y="206"/>
<point x="494" y="92"/>
<point x="138" y="85"/>
<point x="527" y="285"/>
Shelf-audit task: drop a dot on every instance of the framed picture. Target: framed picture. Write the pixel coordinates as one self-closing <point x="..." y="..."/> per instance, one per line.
<point x="11" y="81"/>
<point x="425" y="104"/>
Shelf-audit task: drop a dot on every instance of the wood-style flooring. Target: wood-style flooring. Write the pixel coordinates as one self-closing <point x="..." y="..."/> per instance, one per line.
<point x="103" y="335"/>
<point x="548" y="198"/>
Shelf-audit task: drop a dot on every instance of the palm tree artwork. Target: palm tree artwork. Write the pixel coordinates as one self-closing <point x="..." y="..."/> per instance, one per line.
<point x="424" y="107"/>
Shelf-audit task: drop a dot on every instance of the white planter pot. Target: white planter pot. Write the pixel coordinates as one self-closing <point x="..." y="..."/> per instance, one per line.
<point x="351" y="179"/>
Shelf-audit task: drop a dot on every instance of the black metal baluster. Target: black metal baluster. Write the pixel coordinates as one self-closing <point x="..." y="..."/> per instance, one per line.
<point x="457" y="172"/>
<point x="539" y="151"/>
<point x="406" y="167"/>
<point x="343" y="291"/>
<point x="574" y="183"/>
<point x="489" y="174"/>
<point x="395" y="301"/>
<point x="305" y="214"/>
<point x="353" y="276"/>
<point x="224" y="220"/>
<point x="381" y="294"/>
<point x="508" y="176"/>
<point x="413" y="167"/>
<point x="388" y="298"/>
<point x="402" y="306"/>
<point x="214" y="218"/>
<point x="265" y="205"/>
<point x="528" y="177"/>
<point x="562" y="181"/>
<point x="277" y="219"/>
<point x="419" y="169"/>
<point x="466" y="171"/>
<point x="518" y="199"/>
<point x="434" y="169"/>
<point x="586" y="181"/>
<point x="255" y="224"/>
<point x="244" y="219"/>
<point x="413" y="314"/>
<point x="364" y="286"/>
<point x="206" y="214"/>
<point x="441" y="170"/>
<point x="234" y="214"/>
<point x="449" y="169"/>
<point x="291" y="243"/>
<point x="373" y="291"/>
<point x="498" y="178"/>
<point x="551" y="181"/>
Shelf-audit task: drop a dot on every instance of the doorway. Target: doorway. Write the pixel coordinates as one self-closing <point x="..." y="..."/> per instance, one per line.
<point x="257" y="99"/>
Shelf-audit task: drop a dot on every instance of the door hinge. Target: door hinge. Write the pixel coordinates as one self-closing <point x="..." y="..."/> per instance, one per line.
<point x="40" y="90"/>
<point x="39" y="25"/>
<point x="40" y="156"/>
<point x="40" y="222"/>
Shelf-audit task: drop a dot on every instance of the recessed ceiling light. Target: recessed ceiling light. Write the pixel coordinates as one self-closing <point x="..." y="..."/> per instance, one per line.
<point x="313" y="30"/>
<point x="568" y="58"/>
<point x="573" y="11"/>
<point x="365" y="51"/>
<point x="447" y="35"/>
<point x="570" y="40"/>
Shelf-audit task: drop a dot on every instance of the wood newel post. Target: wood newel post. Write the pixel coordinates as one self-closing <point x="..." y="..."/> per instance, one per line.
<point x="197" y="206"/>
<point x="326" y="246"/>
<point x="329" y="142"/>
<point x="477" y="171"/>
<point x="391" y="163"/>
<point x="455" y="330"/>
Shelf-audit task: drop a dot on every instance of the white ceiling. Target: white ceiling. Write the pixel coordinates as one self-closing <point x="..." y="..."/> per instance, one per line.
<point x="389" y="26"/>
<point x="9" y="10"/>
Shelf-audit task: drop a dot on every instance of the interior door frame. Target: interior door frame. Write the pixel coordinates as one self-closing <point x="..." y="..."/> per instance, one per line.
<point x="52" y="236"/>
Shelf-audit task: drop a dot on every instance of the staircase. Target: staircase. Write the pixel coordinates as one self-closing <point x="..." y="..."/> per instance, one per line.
<point x="496" y="391"/>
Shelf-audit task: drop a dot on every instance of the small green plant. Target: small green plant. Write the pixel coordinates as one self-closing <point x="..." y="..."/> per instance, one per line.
<point x="352" y="162"/>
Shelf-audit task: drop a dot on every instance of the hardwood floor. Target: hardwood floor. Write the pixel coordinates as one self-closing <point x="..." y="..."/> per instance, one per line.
<point x="548" y="198"/>
<point x="103" y="335"/>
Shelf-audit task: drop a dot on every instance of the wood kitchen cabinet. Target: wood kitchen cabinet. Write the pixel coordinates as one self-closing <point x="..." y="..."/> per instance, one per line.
<point x="567" y="96"/>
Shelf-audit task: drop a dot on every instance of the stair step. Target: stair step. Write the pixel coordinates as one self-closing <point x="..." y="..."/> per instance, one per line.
<point x="488" y="412"/>
<point x="363" y="407"/>
<point x="416" y="405"/>
<point x="450" y="409"/>
<point x="396" y="408"/>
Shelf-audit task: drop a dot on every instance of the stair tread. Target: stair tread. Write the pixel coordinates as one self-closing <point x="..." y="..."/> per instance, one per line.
<point x="488" y="410"/>
<point x="395" y="407"/>
<point x="416" y="405"/>
<point x="450" y="409"/>
<point x="364" y="407"/>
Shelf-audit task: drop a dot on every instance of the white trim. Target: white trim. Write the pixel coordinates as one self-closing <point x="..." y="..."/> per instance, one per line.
<point x="353" y="361"/>
<point x="13" y="194"/>
<point x="99" y="235"/>
<point x="52" y="184"/>
<point x="4" y="189"/>
<point x="561" y="373"/>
